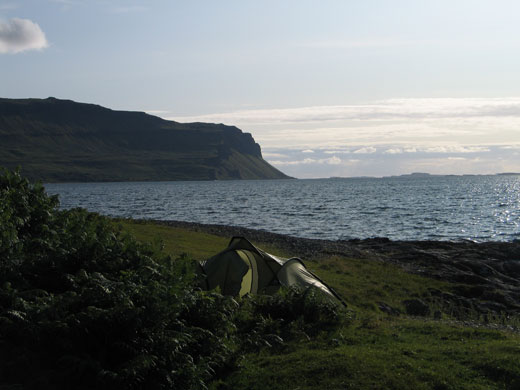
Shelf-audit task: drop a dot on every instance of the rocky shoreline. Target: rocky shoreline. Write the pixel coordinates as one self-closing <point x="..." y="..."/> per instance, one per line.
<point x="486" y="275"/>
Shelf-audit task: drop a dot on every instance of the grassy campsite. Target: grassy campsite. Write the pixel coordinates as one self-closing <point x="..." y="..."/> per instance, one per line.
<point x="366" y="348"/>
<point x="91" y="302"/>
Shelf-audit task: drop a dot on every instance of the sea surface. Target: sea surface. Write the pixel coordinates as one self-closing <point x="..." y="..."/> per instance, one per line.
<point x="477" y="208"/>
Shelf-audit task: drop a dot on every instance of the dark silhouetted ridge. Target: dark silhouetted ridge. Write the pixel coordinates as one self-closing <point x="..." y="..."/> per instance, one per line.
<point x="61" y="140"/>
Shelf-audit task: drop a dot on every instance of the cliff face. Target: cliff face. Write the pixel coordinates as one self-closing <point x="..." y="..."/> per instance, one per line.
<point x="61" y="140"/>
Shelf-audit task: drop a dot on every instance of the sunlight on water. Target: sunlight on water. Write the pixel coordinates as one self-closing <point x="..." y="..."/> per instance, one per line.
<point x="480" y="208"/>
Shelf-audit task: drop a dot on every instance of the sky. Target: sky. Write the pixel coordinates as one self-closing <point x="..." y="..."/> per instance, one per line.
<point x="327" y="88"/>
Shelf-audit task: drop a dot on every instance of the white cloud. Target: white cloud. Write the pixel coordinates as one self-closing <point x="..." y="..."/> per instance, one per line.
<point x="441" y="149"/>
<point x="296" y="162"/>
<point x="333" y="160"/>
<point x="508" y="147"/>
<point x="17" y="35"/>
<point x="273" y="155"/>
<point x="308" y="151"/>
<point x="391" y="109"/>
<point x="405" y="123"/>
<point x="393" y="151"/>
<point x="328" y="161"/>
<point x="387" y="137"/>
<point x="455" y="149"/>
<point x="337" y="151"/>
<point x="398" y="159"/>
<point x="366" y="150"/>
<point x="156" y="112"/>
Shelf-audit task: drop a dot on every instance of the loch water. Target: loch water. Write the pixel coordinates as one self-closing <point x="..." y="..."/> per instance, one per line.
<point x="478" y="208"/>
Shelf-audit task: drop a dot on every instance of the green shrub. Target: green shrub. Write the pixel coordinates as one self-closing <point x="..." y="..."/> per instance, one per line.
<point x="83" y="306"/>
<point x="270" y="320"/>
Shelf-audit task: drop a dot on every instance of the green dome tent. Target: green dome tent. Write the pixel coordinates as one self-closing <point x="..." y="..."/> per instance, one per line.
<point x="242" y="268"/>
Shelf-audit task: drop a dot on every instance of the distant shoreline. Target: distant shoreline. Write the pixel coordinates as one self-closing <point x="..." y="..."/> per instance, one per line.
<point x="411" y="176"/>
<point x="422" y="175"/>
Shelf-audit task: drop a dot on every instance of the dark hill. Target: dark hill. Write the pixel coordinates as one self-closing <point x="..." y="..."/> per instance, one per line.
<point x="60" y="140"/>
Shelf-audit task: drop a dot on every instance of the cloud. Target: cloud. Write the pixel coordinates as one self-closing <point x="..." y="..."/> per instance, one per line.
<point x="509" y="147"/>
<point x="391" y="109"/>
<point x="17" y="35"/>
<point x="328" y="161"/>
<point x="455" y="149"/>
<point x="333" y="160"/>
<point x="308" y="151"/>
<point x="156" y="112"/>
<point x="393" y="151"/>
<point x="398" y="159"/>
<point x="399" y="110"/>
<point x="273" y="155"/>
<point x="366" y="150"/>
<point x="450" y="149"/>
<point x="294" y="162"/>
<point x="337" y="151"/>
<point x="392" y="127"/>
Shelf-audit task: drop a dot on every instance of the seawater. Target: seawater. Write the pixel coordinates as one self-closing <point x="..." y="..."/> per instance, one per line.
<point x="478" y="208"/>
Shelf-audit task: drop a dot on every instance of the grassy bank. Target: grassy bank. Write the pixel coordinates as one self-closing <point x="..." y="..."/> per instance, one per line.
<point x="379" y="346"/>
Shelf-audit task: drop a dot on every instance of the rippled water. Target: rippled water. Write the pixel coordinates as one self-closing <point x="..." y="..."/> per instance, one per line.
<point x="480" y="208"/>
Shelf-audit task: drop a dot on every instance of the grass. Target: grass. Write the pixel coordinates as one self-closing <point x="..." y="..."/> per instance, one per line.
<point x="366" y="283"/>
<point x="403" y="354"/>
<point x="176" y="241"/>
<point x="375" y="350"/>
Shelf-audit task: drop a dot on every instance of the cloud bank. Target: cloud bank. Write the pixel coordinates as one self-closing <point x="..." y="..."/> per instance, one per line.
<point x="391" y="109"/>
<point x="394" y="136"/>
<point x="414" y="123"/>
<point x="388" y="160"/>
<point x="17" y="35"/>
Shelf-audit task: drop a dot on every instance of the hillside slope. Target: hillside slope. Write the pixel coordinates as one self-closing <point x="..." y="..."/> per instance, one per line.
<point x="60" y="140"/>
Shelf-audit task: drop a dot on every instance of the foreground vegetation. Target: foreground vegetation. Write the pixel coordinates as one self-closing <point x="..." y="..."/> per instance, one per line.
<point x="84" y="304"/>
<point x="379" y="346"/>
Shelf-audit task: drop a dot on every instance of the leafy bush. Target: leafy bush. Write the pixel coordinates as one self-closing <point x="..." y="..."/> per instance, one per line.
<point x="294" y="313"/>
<point x="83" y="306"/>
